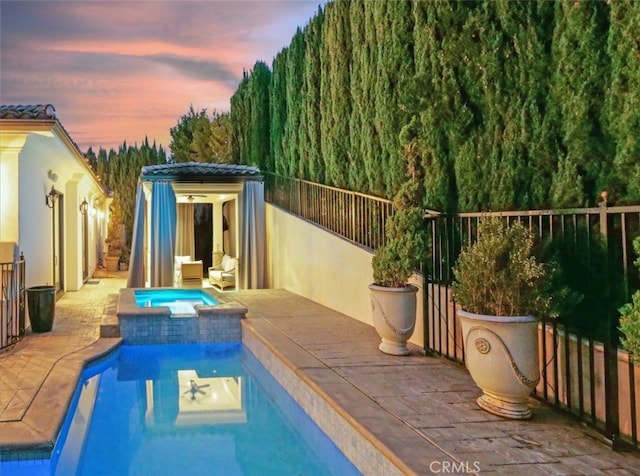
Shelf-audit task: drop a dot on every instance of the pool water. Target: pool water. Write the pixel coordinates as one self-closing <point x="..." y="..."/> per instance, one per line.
<point x="179" y="301"/>
<point x="196" y="409"/>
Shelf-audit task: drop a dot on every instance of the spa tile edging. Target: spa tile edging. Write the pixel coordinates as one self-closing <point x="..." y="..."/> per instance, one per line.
<point x="156" y="325"/>
<point x="362" y="448"/>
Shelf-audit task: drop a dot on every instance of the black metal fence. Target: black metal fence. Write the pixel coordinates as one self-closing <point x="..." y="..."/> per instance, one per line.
<point x="355" y="216"/>
<point x="583" y="370"/>
<point x="12" y="302"/>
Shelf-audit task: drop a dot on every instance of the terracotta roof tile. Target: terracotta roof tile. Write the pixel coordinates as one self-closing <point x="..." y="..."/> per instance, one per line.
<point x="191" y="170"/>
<point x="38" y="111"/>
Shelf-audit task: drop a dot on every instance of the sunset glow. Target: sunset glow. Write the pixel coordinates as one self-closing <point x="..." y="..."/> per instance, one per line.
<point x="127" y="70"/>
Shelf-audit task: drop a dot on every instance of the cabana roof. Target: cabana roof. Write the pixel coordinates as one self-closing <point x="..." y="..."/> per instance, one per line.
<point x="200" y="172"/>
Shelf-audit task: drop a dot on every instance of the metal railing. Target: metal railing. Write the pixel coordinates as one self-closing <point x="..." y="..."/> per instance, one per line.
<point x="354" y="216"/>
<point x="583" y="371"/>
<point x="12" y="302"/>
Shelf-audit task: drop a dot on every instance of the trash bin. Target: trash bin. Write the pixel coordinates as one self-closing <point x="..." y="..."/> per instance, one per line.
<point x="42" y="302"/>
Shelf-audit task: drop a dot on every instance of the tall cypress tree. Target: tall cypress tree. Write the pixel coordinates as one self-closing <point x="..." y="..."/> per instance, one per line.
<point x="259" y="141"/>
<point x="240" y="121"/>
<point x="580" y="68"/>
<point x="370" y="147"/>
<point x="357" y="176"/>
<point x="311" y="131"/>
<point x="290" y="143"/>
<point x="335" y="105"/>
<point x="394" y="33"/>
<point x="445" y="118"/>
<point x="622" y="102"/>
<point x="278" y="110"/>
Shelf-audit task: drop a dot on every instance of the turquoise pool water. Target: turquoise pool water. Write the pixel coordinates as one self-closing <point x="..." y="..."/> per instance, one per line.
<point x="179" y="301"/>
<point x="197" y="409"/>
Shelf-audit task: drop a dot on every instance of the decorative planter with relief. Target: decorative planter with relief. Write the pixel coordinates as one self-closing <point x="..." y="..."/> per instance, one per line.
<point x="502" y="288"/>
<point x="501" y="354"/>
<point x="394" y="316"/>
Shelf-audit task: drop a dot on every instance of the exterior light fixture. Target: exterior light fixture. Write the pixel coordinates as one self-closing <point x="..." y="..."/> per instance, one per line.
<point x="51" y="198"/>
<point x="84" y="206"/>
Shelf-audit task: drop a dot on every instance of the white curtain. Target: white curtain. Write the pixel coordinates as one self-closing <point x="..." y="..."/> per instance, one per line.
<point x="252" y="259"/>
<point x="163" y="233"/>
<point x="136" y="262"/>
<point x="185" y="240"/>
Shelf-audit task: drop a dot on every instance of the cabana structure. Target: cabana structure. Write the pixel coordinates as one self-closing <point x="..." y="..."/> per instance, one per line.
<point x="164" y="220"/>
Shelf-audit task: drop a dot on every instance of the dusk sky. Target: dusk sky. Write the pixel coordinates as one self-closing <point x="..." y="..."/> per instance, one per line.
<point x="123" y="70"/>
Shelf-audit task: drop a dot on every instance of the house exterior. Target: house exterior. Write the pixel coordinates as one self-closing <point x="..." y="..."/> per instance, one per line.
<point x="53" y="207"/>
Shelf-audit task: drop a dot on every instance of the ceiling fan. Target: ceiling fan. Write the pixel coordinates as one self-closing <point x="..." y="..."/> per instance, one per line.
<point x="191" y="198"/>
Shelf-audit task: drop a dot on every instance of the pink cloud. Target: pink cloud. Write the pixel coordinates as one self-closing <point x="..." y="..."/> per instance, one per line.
<point x="120" y="71"/>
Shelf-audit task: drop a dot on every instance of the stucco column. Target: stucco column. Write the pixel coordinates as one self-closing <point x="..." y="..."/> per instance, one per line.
<point x="218" y="244"/>
<point x="9" y="200"/>
<point x="73" y="235"/>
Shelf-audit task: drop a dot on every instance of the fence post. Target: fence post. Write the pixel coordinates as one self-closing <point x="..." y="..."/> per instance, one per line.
<point x="22" y="297"/>
<point x="612" y="423"/>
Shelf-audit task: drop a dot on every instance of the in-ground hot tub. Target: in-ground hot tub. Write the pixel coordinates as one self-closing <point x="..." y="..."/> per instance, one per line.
<point x="181" y="302"/>
<point x="177" y="316"/>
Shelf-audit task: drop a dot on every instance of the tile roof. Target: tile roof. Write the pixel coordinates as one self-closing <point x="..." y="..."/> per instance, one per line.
<point x="38" y="111"/>
<point x="46" y="112"/>
<point x="190" y="171"/>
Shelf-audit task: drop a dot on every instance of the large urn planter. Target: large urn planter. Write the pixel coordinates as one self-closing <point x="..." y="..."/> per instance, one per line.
<point x="112" y="263"/>
<point x="41" y="302"/>
<point x="394" y="316"/>
<point x="501" y="354"/>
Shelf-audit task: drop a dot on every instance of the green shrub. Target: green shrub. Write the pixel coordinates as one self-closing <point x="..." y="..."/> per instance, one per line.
<point x="394" y="262"/>
<point x="630" y="327"/>
<point x="499" y="275"/>
<point x="630" y="318"/>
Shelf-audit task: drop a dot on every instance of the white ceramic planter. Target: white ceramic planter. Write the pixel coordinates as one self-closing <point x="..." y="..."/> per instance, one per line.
<point x="501" y="354"/>
<point x="394" y="316"/>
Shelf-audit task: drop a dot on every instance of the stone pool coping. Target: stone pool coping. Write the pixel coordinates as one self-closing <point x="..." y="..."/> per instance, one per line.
<point x="308" y="380"/>
<point x="35" y="435"/>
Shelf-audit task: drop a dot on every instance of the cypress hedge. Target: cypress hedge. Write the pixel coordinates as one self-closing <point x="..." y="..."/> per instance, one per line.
<point x="517" y="105"/>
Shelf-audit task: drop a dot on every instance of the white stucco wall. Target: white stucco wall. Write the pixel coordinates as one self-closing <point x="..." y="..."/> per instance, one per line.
<point x="26" y="219"/>
<point x="35" y="218"/>
<point x="304" y="259"/>
<point x="9" y="192"/>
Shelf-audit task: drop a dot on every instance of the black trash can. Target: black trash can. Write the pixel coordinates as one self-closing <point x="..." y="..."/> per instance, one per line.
<point x="42" y="303"/>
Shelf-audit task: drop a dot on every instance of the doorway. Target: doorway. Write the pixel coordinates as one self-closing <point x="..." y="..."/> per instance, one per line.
<point x="203" y="233"/>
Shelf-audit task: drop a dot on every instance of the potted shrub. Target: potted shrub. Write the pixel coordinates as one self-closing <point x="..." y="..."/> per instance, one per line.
<point x="113" y="255"/>
<point x="630" y="318"/>
<point x="502" y="290"/>
<point x="393" y="299"/>
<point x="123" y="263"/>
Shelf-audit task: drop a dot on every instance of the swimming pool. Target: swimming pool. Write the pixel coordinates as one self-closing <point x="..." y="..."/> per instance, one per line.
<point x="179" y="301"/>
<point x="187" y="409"/>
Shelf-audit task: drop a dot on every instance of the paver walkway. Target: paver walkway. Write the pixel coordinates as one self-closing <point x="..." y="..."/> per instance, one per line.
<point x="421" y="408"/>
<point x="434" y="399"/>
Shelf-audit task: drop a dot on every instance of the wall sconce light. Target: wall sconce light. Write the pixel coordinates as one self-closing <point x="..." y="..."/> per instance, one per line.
<point x="51" y="198"/>
<point x="84" y="206"/>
